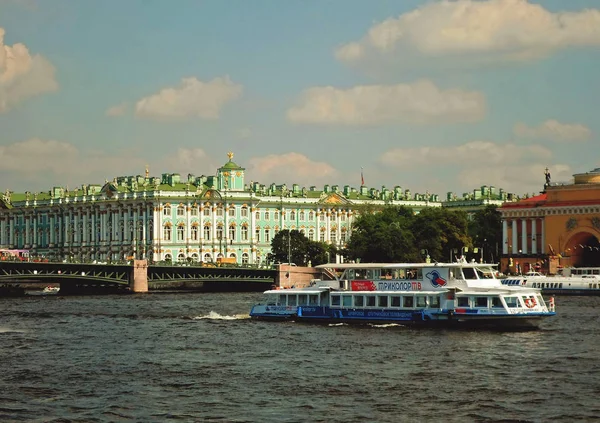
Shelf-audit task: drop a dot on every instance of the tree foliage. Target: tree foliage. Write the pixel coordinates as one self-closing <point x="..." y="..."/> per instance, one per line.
<point x="293" y="247"/>
<point x="486" y="232"/>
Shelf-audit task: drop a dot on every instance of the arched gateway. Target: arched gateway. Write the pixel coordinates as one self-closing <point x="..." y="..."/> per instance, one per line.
<point x="558" y="228"/>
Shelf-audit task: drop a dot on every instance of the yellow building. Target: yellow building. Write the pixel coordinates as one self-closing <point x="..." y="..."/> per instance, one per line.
<point x="558" y="228"/>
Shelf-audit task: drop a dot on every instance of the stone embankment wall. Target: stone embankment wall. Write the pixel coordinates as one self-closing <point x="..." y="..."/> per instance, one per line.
<point x="296" y="276"/>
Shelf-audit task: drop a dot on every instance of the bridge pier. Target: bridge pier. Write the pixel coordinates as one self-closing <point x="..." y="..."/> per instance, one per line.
<point x="138" y="278"/>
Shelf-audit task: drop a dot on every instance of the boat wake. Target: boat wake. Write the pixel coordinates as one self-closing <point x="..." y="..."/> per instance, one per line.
<point x="10" y="330"/>
<point x="216" y="316"/>
<point x="385" y="325"/>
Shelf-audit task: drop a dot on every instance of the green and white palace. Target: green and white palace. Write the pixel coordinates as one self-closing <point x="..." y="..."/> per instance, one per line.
<point x="198" y="218"/>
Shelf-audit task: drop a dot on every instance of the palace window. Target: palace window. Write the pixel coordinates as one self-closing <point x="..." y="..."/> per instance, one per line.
<point x="302" y="215"/>
<point x="194" y="211"/>
<point x="206" y="210"/>
<point x="333" y="236"/>
<point x="343" y="217"/>
<point x="244" y="211"/>
<point x="267" y="235"/>
<point x="167" y="211"/>
<point x="292" y="215"/>
<point x="322" y="217"/>
<point x="311" y="234"/>
<point x="343" y="237"/>
<point x="311" y="215"/>
<point x="245" y="258"/>
<point x="207" y="258"/>
<point x="194" y="233"/>
<point x="257" y="216"/>
<point x="322" y="236"/>
<point x="257" y="234"/>
<point x="167" y="233"/>
<point x="232" y="211"/>
<point x="276" y="215"/>
<point x="219" y="232"/>
<point x="206" y="232"/>
<point x="180" y="233"/>
<point x="266" y="215"/>
<point x="181" y="210"/>
<point x="220" y="210"/>
<point x="232" y="232"/>
<point x="244" y="233"/>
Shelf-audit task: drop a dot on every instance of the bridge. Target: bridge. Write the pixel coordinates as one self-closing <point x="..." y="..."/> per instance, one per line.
<point x="86" y="278"/>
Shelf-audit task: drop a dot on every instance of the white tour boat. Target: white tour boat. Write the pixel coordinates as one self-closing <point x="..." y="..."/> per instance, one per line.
<point x="571" y="281"/>
<point x="429" y="294"/>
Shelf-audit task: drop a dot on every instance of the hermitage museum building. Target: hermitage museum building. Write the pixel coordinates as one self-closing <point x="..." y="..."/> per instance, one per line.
<point x="195" y="219"/>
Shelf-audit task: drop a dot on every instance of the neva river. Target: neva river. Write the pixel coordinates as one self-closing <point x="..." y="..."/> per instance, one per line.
<point x="198" y="358"/>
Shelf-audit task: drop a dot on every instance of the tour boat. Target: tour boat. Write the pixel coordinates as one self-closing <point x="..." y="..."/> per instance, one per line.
<point x="457" y="294"/>
<point x="571" y="281"/>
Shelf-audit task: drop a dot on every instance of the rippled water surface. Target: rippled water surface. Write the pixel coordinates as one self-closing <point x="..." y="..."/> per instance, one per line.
<point x="197" y="357"/>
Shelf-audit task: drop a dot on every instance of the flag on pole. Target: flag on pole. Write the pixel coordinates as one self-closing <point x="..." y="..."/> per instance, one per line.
<point x="362" y="178"/>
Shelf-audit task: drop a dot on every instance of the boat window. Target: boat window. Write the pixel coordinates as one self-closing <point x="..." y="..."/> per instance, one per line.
<point x="421" y="301"/>
<point x="408" y="302"/>
<point x="360" y="274"/>
<point x="370" y="300"/>
<point x="463" y="301"/>
<point x="347" y="300"/>
<point x="485" y="273"/>
<point x="481" y="302"/>
<point x="469" y="273"/>
<point x="271" y="299"/>
<point x="335" y="300"/>
<point x="386" y="274"/>
<point x="382" y="301"/>
<point x="434" y="301"/>
<point x="302" y="299"/>
<point x="291" y="300"/>
<point x="282" y="299"/>
<point x="313" y="299"/>
<point x="359" y="301"/>
<point x="395" y="300"/>
<point x="511" y="302"/>
<point x="413" y="274"/>
<point x="496" y="302"/>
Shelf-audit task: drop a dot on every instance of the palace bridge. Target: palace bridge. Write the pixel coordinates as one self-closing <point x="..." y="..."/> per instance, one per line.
<point x="87" y="278"/>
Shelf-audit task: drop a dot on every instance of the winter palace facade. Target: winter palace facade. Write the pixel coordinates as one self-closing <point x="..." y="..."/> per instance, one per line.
<point x="199" y="218"/>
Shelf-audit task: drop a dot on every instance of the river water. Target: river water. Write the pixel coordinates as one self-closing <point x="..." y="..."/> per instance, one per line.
<point x="198" y="357"/>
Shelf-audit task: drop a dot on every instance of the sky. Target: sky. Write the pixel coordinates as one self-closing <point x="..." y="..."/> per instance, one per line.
<point x="431" y="96"/>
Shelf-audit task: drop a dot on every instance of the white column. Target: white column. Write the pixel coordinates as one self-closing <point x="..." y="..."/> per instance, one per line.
<point x="504" y="236"/>
<point x="543" y="244"/>
<point x="515" y="250"/>
<point x="534" y="236"/>
<point x="524" y="236"/>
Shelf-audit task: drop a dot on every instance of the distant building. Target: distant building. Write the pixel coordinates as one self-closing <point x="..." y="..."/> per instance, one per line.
<point x="560" y="227"/>
<point x="180" y="219"/>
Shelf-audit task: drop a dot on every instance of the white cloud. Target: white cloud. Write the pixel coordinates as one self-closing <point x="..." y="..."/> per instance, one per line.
<point x="22" y="75"/>
<point x="192" y="98"/>
<point x="420" y="102"/>
<point x="554" y="130"/>
<point x="289" y="168"/>
<point x="514" y="168"/>
<point x="118" y="110"/>
<point x="39" y="164"/>
<point x="190" y="160"/>
<point x="507" y="30"/>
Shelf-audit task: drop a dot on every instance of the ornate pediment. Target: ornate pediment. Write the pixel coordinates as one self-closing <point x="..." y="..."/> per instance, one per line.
<point x="109" y="190"/>
<point x="334" y="198"/>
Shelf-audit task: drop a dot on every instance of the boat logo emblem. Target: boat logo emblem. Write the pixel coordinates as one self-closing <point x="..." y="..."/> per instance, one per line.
<point x="436" y="279"/>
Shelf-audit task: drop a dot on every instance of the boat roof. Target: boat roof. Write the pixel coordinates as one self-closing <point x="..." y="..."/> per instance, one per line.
<point x="402" y="265"/>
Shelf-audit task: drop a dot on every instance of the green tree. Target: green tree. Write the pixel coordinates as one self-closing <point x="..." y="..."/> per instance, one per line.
<point x="382" y="236"/>
<point x="486" y="231"/>
<point x="441" y="232"/>
<point x="289" y="246"/>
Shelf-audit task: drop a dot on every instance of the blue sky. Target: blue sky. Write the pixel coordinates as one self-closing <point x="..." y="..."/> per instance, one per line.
<point x="432" y="96"/>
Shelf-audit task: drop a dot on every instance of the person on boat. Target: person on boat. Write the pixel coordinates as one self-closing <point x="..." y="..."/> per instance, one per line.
<point x="551" y="303"/>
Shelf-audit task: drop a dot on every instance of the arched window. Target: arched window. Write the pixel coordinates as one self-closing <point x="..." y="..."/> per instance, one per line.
<point x="232" y="211"/>
<point x="167" y="210"/>
<point x="276" y="215"/>
<point x="220" y="210"/>
<point x="311" y="215"/>
<point x="257" y="215"/>
<point x="206" y="209"/>
<point x="302" y="215"/>
<point x="168" y="257"/>
<point x="245" y="258"/>
<point x="244" y="211"/>
<point x="195" y="257"/>
<point x="194" y="233"/>
<point x="244" y="233"/>
<point x="167" y="233"/>
<point x="292" y="215"/>
<point x="180" y="233"/>
<point x="180" y="257"/>
<point x="181" y="210"/>
<point x="206" y="232"/>
<point x="311" y="234"/>
<point x="219" y="232"/>
<point x="232" y="232"/>
<point x="207" y="258"/>
<point x="333" y="236"/>
<point x="266" y="215"/>
<point x="257" y="234"/>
